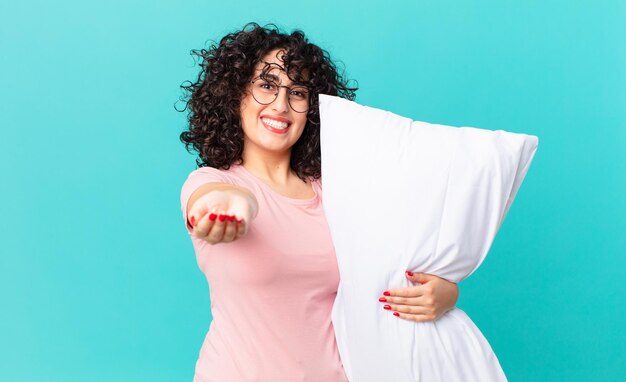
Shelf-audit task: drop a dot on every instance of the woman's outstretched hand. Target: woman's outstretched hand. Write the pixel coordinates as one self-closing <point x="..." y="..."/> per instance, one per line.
<point x="221" y="216"/>
<point x="425" y="302"/>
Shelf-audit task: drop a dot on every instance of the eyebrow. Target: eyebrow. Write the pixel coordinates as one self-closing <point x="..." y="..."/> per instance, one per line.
<point x="270" y="76"/>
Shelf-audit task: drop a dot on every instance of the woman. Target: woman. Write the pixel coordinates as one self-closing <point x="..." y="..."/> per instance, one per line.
<point x="253" y="210"/>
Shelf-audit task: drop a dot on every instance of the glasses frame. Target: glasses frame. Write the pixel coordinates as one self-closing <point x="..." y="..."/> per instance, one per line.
<point x="308" y="107"/>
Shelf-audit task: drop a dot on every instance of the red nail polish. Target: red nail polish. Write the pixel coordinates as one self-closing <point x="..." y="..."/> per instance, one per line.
<point x="212" y="217"/>
<point x="382" y="299"/>
<point x="409" y="273"/>
<point x="396" y="314"/>
<point x="385" y="293"/>
<point x="192" y="220"/>
<point x="387" y="307"/>
<point x="239" y="220"/>
<point x="231" y="218"/>
<point x="223" y="217"/>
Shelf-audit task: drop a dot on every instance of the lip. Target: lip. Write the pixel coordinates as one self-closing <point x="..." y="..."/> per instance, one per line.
<point x="275" y="118"/>
<point x="273" y="129"/>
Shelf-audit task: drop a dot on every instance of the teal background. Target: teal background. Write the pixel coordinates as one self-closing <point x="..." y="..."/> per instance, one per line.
<point x="98" y="279"/>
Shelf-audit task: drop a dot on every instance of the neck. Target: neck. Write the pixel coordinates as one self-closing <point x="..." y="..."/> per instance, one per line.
<point x="271" y="166"/>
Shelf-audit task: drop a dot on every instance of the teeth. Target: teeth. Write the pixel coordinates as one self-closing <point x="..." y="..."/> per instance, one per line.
<point x="276" y="124"/>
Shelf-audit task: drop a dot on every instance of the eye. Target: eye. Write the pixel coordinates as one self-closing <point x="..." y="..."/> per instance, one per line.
<point x="267" y="86"/>
<point x="300" y="93"/>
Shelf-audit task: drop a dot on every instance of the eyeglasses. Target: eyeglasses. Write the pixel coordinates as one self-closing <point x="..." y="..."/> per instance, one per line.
<point x="266" y="92"/>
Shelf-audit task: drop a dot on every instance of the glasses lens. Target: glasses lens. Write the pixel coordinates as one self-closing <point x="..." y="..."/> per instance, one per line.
<point x="265" y="92"/>
<point x="299" y="99"/>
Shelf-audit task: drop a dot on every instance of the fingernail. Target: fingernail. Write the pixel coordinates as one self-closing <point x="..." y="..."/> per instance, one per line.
<point x="382" y="299"/>
<point x="223" y="217"/>
<point x="409" y="273"/>
<point x="231" y="218"/>
<point x="192" y="220"/>
<point x="239" y="220"/>
<point x="396" y="314"/>
<point x="212" y="217"/>
<point x="385" y="293"/>
<point x="388" y="307"/>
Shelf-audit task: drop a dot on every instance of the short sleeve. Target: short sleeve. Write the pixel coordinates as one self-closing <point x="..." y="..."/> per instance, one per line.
<point x="197" y="178"/>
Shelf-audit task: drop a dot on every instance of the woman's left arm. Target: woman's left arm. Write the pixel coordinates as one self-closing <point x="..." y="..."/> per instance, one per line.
<point x="425" y="302"/>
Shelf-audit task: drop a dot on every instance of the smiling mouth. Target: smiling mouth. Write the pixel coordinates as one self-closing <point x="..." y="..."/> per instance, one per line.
<point x="275" y="126"/>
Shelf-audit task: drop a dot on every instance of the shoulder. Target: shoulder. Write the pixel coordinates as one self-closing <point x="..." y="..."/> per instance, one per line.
<point x="205" y="175"/>
<point x="213" y="175"/>
<point x="317" y="182"/>
<point x="317" y="186"/>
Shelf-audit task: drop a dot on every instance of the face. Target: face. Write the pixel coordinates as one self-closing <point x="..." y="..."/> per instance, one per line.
<point x="274" y="127"/>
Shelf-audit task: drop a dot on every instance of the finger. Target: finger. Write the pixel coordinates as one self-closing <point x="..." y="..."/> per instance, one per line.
<point x="197" y="212"/>
<point x="204" y="225"/>
<point x="414" y="301"/>
<point x="217" y="231"/>
<point x="242" y="228"/>
<point x="230" y="229"/>
<point x="414" y="291"/>
<point x="409" y="309"/>
<point x="415" y="317"/>
<point x="194" y="218"/>
<point x="418" y="277"/>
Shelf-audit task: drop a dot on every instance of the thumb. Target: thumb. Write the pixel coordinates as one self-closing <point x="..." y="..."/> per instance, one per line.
<point x="419" y="277"/>
<point x="196" y="212"/>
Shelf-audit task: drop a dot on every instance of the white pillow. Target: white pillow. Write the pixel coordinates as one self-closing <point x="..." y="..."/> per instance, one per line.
<point x="406" y="195"/>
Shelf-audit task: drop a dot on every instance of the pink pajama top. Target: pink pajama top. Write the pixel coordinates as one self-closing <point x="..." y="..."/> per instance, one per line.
<point x="271" y="291"/>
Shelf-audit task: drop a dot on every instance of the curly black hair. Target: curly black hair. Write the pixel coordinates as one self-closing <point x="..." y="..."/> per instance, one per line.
<point x="213" y="100"/>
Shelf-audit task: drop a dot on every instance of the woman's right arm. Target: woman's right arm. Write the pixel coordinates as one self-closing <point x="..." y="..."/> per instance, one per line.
<point x="220" y="212"/>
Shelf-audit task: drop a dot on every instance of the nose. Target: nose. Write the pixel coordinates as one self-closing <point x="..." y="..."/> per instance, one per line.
<point x="281" y="103"/>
